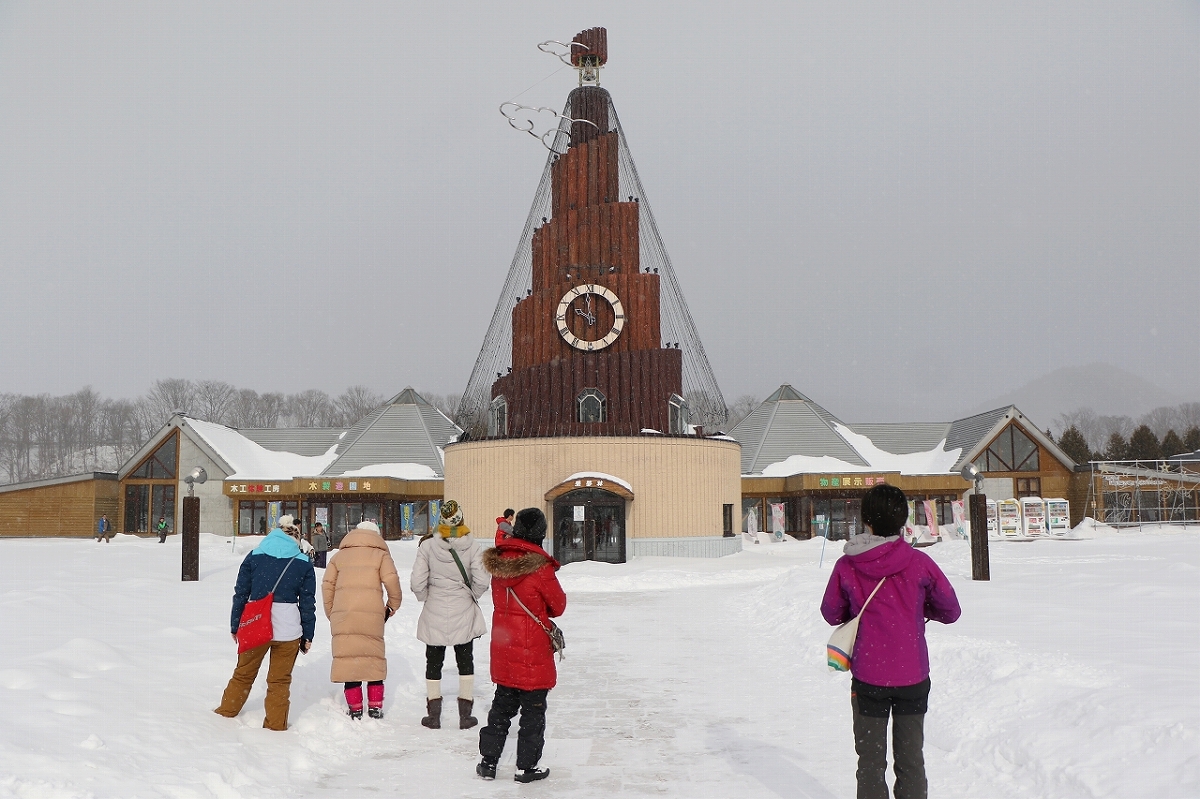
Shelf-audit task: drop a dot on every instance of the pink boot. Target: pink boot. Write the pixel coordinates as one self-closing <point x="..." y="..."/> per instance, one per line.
<point x="354" y="699"/>
<point x="375" y="700"/>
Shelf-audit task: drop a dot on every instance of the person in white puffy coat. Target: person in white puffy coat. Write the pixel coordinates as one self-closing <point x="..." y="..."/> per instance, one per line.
<point x="450" y="588"/>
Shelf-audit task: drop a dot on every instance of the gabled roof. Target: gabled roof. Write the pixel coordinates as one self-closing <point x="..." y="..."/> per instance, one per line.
<point x="788" y="423"/>
<point x="406" y="430"/>
<point x="975" y="433"/>
<point x="904" y="438"/>
<point x="300" y="440"/>
<point x="789" y="434"/>
<point x="183" y="425"/>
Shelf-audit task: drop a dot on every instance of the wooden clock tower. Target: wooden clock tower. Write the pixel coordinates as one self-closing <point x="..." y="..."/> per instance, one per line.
<point x="587" y="353"/>
<point x="591" y="395"/>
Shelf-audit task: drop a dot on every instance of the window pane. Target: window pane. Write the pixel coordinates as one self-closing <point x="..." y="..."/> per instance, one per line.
<point x="1001" y="452"/>
<point x="137" y="508"/>
<point x="1024" y="451"/>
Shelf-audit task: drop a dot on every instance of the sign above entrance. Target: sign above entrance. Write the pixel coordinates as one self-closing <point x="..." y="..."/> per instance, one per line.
<point x="339" y="486"/>
<point x="594" y="480"/>
<point x="849" y="480"/>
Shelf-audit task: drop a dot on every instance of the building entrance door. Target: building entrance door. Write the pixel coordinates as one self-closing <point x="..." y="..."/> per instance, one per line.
<point x="589" y="524"/>
<point x="844" y="516"/>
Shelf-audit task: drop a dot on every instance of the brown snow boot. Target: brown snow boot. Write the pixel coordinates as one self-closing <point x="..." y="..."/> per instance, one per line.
<point x="465" y="720"/>
<point x="434" y="720"/>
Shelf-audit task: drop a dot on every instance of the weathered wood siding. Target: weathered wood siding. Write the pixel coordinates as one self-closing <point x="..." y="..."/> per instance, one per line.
<point x="679" y="484"/>
<point x="62" y="510"/>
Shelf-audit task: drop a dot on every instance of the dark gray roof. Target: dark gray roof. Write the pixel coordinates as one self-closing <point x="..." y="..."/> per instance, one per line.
<point x="405" y="430"/>
<point x="903" y="438"/>
<point x="788" y="423"/>
<point x="53" y="481"/>
<point x="967" y="433"/>
<point x="307" y="441"/>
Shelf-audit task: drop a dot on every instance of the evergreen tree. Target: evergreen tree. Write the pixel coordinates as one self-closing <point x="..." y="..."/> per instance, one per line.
<point x="1117" y="448"/>
<point x="1172" y="444"/>
<point x="1191" y="439"/>
<point x="1075" y="445"/>
<point x="1143" y="445"/>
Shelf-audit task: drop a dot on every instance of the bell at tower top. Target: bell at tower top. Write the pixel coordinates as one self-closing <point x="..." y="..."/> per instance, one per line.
<point x="589" y="53"/>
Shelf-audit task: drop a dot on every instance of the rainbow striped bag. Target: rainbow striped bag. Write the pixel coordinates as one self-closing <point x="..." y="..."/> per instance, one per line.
<point x="840" y="649"/>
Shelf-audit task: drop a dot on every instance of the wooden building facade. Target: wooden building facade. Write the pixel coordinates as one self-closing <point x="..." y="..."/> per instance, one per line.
<point x="60" y="507"/>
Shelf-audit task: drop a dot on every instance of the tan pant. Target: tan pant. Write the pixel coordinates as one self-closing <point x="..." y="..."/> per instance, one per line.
<point x="279" y="682"/>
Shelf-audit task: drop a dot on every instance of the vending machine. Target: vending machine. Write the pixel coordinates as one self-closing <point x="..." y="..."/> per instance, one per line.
<point x="1008" y="512"/>
<point x="993" y="520"/>
<point x="1058" y="517"/>
<point x="1033" y="516"/>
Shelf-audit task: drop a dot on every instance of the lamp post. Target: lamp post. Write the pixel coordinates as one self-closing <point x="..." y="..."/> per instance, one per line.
<point x="191" y="525"/>
<point x="980" y="567"/>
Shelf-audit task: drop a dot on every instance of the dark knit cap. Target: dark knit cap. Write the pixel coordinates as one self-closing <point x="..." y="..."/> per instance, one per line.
<point x="530" y="525"/>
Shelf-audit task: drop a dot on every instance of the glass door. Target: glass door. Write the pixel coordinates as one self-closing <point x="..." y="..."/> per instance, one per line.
<point x="589" y="525"/>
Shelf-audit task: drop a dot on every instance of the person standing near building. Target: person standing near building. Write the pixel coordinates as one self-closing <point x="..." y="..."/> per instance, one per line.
<point x="353" y="594"/>
<point x="320" y="542"/>
<point x="504" y="525"/>
<point x="890" y="666"/>
<point x="526" y="595"/>
<point x="277" y="562"/>
<point x="448" y="576"/>
<point x="102" y="529"/>
<point x="162" y="529"/>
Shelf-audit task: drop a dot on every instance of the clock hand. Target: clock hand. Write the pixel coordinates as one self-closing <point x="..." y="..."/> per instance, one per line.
<point x="588" y="315"/>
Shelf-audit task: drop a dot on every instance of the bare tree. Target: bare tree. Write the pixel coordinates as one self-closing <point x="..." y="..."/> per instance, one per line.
<point x="312" y="408"/>
<point x="1189" y="415"/>
<point x="446" y="403"/>
<point x="168" y="397"/>
<point x="1161" y="419"/>
<point x="740" y="408"/>
<point x="357" y="402"/>
<point x="213" y="401"/>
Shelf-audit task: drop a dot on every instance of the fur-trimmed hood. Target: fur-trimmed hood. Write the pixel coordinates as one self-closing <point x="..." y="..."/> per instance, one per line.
<point x="516" y="559"/>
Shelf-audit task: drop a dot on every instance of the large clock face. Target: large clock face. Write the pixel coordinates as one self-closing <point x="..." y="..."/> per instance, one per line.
<point x="590" y="317"/>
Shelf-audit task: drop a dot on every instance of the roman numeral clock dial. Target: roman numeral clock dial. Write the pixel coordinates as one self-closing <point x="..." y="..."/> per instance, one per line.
<point x="590" y="317"/>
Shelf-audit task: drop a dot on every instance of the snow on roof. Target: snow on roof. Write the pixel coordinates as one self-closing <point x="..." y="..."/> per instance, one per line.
<point x="252" y="461"/>
<point x="402" y="471"/>
<point x="600" y="476"/>
<point x="934" y="461"/>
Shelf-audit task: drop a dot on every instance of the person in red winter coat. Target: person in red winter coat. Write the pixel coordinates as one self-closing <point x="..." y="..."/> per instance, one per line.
<point x="526" y="595"/>
<point x="504" y="526"/>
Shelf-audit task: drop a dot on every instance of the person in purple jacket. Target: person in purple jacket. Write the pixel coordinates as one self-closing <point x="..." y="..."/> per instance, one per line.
<point x="890" y="667"/>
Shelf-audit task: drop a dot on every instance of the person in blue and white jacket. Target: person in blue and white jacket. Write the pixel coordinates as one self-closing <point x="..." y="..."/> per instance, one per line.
<point x="293" y="621"/>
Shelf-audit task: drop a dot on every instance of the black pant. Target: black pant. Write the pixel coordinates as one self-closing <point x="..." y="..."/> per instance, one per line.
<point x="907" y="706"/>
<point x="531" y="736"/>
<point x="435" y="656"/>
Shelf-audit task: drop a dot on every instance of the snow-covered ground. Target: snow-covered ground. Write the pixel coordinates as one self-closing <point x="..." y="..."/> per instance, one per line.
<point x="1073" y="673"/>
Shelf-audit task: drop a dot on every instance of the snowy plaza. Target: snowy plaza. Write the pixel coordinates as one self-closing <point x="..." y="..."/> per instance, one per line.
<point x="1072" y="673"/>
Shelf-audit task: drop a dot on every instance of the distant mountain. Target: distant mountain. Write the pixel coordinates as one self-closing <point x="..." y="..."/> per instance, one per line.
<point x="1108" y="390"/>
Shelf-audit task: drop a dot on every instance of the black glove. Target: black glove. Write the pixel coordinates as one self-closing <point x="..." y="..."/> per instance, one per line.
<point x="387" y="613"/>
<point x="305" y="644"/>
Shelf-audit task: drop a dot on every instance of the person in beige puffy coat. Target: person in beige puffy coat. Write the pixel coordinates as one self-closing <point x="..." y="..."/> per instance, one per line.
<point x="353" y="594"/>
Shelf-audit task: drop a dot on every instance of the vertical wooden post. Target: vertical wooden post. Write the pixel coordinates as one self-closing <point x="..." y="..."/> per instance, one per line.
<point x="980" y="567"/>
<point x="191" y="539"/>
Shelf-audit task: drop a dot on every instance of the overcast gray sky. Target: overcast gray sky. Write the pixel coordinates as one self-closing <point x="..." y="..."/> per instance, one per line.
<point x="901" y="208"/>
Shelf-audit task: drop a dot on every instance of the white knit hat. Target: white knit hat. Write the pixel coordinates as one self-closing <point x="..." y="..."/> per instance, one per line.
<point x="286" y="521"/>
<point x="372" y="526"/>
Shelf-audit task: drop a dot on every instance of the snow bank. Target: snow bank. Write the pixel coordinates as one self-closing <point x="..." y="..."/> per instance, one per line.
<point x="402" y="471"/>
<point x="251" y="461"/>
<point x="683" y="677"/>
<point x="935" y="461"/>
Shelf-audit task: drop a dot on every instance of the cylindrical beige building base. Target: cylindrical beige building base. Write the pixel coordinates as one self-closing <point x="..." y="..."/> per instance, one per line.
<point x="675" y="488"/>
